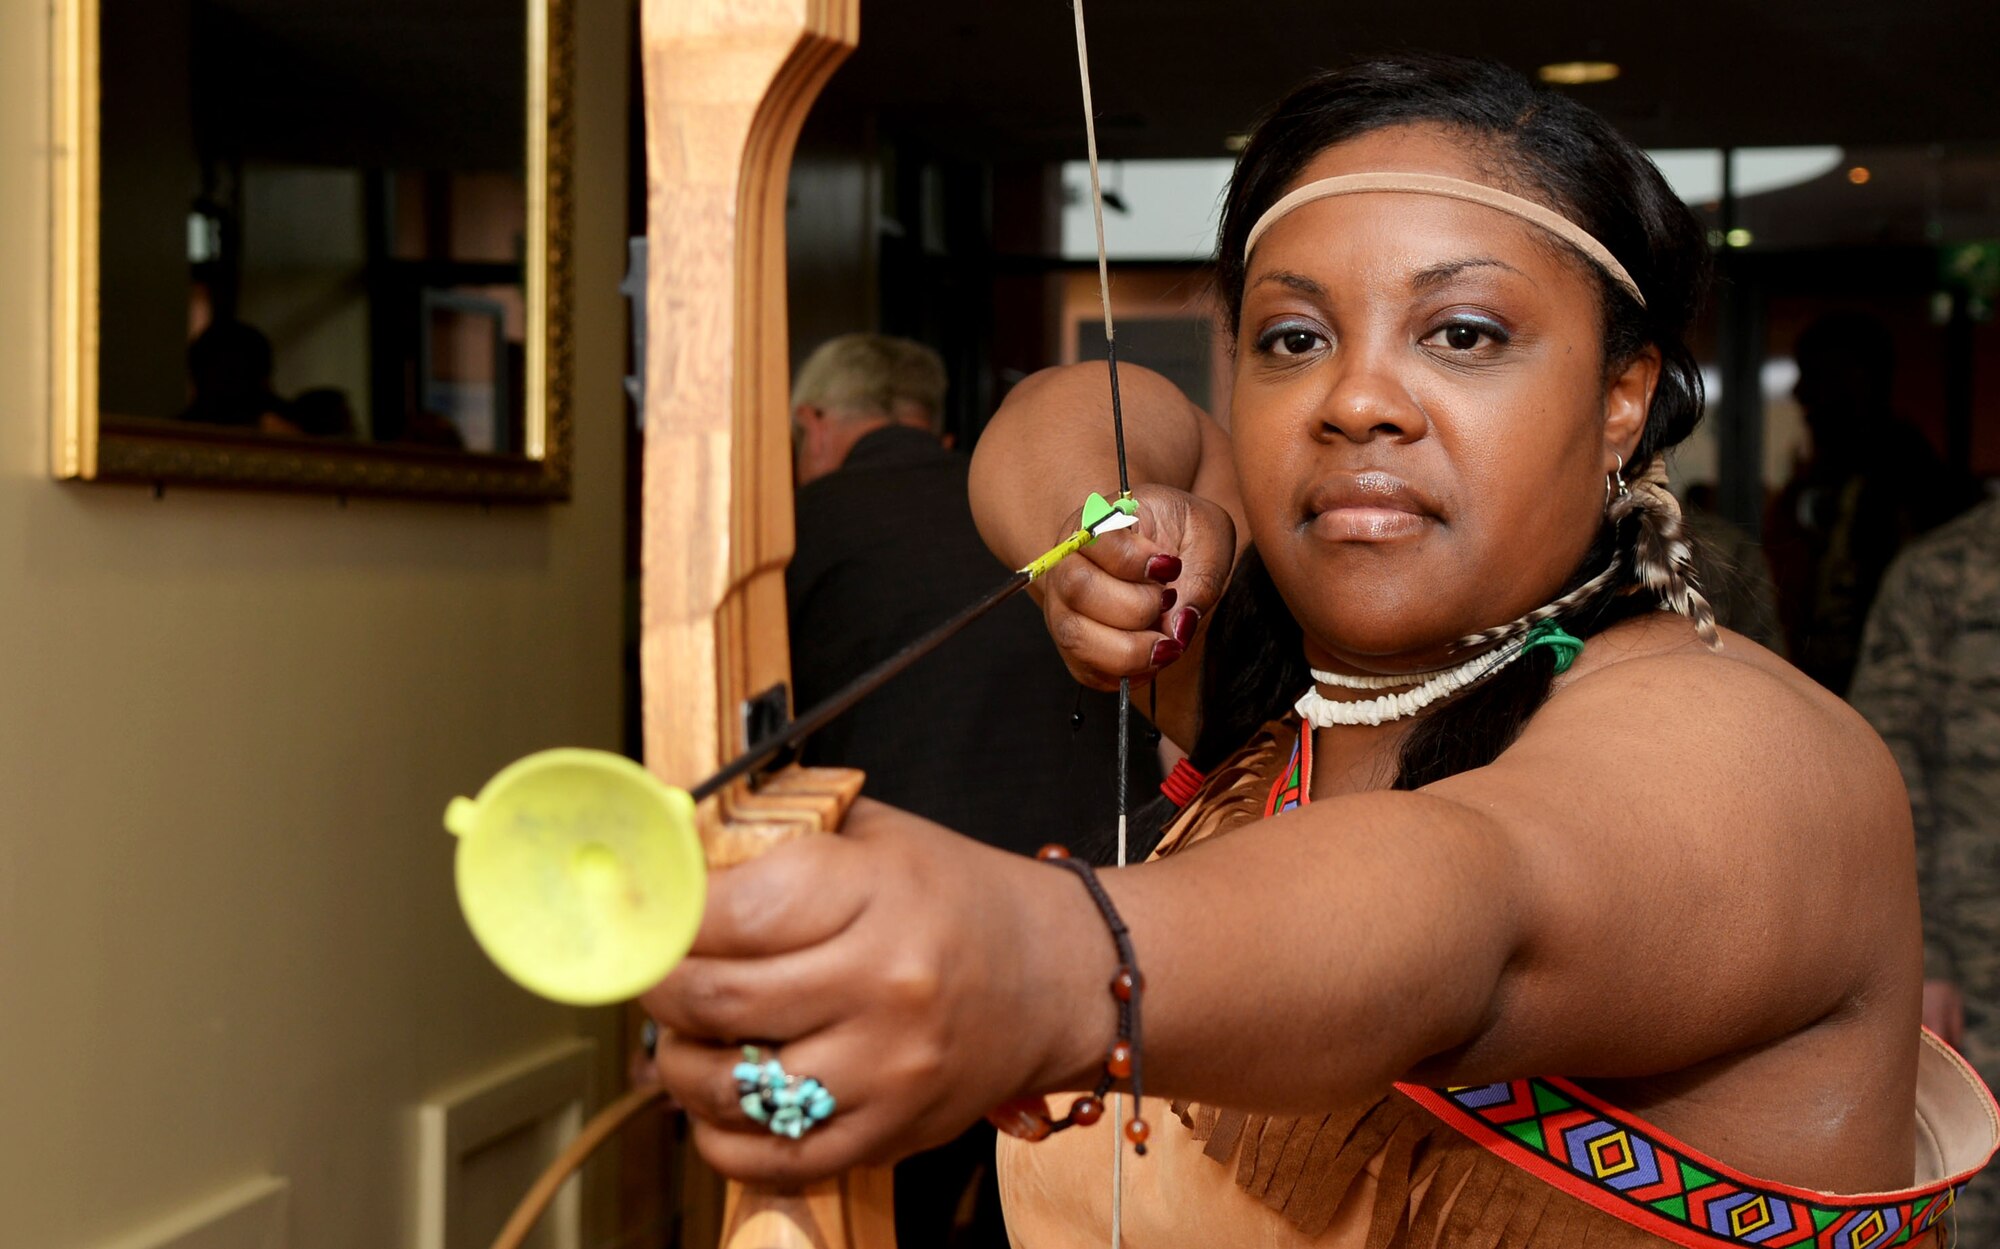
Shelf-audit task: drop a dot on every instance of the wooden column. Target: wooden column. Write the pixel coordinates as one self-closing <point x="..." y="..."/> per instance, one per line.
<point x="728" y="83"/>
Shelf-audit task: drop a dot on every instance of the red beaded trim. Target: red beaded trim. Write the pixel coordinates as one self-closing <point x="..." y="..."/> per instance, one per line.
<point x="1182" y="782"/>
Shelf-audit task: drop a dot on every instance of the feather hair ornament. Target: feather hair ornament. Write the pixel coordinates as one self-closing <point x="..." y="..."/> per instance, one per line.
<point x="1547" y="611"/>
<point x="1662" y="558"/>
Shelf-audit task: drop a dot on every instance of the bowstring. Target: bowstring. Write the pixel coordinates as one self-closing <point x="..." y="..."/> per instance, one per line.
<point x="1124" y="492"/>
<point x="1103" y="262"/>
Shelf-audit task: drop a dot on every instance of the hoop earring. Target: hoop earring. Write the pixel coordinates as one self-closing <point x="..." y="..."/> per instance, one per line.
<point x="1615" y="481"/>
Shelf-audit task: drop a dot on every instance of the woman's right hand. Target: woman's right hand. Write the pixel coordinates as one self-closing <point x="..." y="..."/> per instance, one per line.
<point x="1049" y="446"/>
<point x="1133" y="602"/>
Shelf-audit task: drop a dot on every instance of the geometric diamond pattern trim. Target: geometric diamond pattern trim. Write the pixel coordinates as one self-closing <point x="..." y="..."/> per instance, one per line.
<point x="1625" y="1167"/>
<point x="1290" y="789"/>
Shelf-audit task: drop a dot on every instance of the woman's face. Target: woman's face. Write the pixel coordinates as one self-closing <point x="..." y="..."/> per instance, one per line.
<point x="1421" y="417"/>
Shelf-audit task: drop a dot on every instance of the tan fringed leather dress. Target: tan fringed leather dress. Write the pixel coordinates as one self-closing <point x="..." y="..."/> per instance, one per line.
<point x="1528" y="1162"/>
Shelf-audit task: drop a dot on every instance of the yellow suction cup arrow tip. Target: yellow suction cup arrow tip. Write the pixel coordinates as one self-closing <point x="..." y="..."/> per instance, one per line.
<point x="580" y="874"/>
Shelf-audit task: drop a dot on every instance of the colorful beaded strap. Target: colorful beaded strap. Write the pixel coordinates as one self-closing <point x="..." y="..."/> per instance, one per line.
<point x="1293" y="788"/>
<point x="1562" y="1135"/>
<point x="1598" y="1154"/>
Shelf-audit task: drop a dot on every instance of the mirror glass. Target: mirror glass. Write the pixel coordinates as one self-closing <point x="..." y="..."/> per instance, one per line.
<point x="316" y="228"/>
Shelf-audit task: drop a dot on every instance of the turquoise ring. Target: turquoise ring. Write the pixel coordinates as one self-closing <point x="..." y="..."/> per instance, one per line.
<point x="788" y="1105"/>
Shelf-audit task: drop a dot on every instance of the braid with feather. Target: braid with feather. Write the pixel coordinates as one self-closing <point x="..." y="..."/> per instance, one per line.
<point x="1662" y="559"/>
<point x="1550" y="610"/>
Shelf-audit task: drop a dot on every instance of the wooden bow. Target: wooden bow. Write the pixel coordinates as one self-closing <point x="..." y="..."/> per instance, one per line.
<point x="728" y="83"/>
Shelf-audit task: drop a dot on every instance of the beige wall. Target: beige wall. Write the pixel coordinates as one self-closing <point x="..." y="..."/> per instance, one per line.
<point x="228" y="724"/>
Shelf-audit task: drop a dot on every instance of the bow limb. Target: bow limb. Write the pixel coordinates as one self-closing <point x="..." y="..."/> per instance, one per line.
<point x="727" y="86"/>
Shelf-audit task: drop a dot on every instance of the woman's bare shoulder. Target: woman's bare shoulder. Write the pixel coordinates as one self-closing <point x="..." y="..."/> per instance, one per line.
<point x="1737" y="715"/>
<point x="1659" y="656"/>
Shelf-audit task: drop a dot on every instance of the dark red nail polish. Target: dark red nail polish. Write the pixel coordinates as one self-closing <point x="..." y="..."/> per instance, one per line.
<point x="1165" y="651"/>
<point x="1184" y="625"/>
<point x="1163" y="568"/>
<point x="1167" y="597"/>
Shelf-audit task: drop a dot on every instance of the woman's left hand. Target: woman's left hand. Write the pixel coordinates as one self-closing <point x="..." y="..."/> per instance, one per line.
<point x="912" y="972"/>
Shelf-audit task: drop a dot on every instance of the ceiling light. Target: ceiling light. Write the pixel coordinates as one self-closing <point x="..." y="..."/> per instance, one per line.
<point x="1576" y="73"/>
<point x="1739" y="237"/>
<point x="1236" y="142"/>
<point x="1858" y="175"/>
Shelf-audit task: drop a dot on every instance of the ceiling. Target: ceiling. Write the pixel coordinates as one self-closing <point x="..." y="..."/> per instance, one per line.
<point x="997" y="79"/>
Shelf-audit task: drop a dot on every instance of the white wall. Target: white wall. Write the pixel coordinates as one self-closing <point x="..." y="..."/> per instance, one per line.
<point x="228" y="725"/>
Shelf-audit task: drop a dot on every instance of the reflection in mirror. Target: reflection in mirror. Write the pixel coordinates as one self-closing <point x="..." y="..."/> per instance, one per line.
<point x="322" y="232"/>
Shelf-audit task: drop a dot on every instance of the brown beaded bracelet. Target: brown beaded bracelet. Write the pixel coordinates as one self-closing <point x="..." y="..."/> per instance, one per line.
<point x="1028" y="1117"/>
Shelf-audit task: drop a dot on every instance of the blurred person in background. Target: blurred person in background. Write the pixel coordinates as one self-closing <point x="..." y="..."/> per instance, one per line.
<point x="229" y="380"/>
<point x="1929" y="681"/>
<point x="1870" y="483"/>
<point x="990" y="736"/>
<point x="1733" y="571"/>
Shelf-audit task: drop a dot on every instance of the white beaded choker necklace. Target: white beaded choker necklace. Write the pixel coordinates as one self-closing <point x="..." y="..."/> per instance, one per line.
<point x="1427" y="687"/>
<point x="1323" y="712"/>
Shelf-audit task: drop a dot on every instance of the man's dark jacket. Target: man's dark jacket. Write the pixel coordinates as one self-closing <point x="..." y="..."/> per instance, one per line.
<point x="977" y="736"/>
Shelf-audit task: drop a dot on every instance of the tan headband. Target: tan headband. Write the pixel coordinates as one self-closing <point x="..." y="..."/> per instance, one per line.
<point x="1451" y="188"/>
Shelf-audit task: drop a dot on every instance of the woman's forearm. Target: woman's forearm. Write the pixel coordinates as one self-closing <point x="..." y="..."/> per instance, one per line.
<point x="1051" y="444"/>
<point x="1306" y="962"/>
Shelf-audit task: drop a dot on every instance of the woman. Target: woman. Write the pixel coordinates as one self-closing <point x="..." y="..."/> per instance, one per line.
<point x="1543" y="828"/>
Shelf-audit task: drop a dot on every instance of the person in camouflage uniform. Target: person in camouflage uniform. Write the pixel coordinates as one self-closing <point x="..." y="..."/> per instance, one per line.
<point x="1929" y="681"/>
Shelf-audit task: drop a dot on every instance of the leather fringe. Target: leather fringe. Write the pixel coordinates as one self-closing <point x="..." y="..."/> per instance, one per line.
<point x="1234" y="794"/>
<point x="1432" y="1187"/>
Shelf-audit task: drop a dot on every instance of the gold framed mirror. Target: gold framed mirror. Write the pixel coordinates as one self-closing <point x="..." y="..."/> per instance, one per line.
<point x="317" y="245"/>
